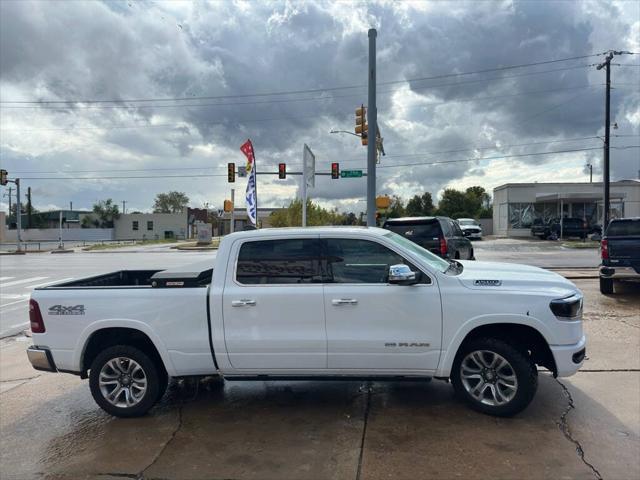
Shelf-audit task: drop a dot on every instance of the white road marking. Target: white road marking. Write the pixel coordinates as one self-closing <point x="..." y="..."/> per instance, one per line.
<point x="2" y="279"/>
<point x="19" y="282"/>
<point x="19" y="325"/>
<point x="49" y="283"/>
<point x="13" y="303"/>
<point x="13" y="296"/>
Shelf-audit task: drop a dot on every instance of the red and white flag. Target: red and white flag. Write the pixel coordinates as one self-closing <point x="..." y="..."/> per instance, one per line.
<point x="251" y="194"/>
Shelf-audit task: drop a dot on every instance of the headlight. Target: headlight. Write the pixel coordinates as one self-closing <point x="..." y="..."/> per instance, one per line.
<point x="567" y="308"/>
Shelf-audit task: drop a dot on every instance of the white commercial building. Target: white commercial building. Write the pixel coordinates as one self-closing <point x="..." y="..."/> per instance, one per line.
<point x="151" y="226"/>
<point x="517" y="205"/>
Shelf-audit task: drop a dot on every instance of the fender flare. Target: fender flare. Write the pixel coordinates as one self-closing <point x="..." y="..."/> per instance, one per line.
<point x="85" y="335"/>
<point x="449" y="355"/>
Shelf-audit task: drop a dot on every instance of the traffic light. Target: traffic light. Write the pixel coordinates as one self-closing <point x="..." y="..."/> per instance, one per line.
<point x="361" y="124"/>
<point x="282" y="171"/>
<point x="231" y="172"/>
<point x="335" y="170"/>
<point x="3" y="177"/>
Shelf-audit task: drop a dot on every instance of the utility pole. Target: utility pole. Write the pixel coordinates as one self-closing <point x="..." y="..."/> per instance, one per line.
<point x="10" y="190"/>
<point x="372" y="114"/>
<point x="18" y="216"/>
<point x="607" y="126"/>
<point x="233" y="208"/>
<point x="590" y="172"/>
<point x="29" y="207"/>
<point x="124" y="207"/>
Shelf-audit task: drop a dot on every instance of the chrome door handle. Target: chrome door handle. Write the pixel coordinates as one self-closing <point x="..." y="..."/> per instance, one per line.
<point x="243" y="303"/>
<point x="344" y="301"/>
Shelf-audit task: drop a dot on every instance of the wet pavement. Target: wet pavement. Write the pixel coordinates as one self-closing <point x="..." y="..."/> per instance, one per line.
<point x="583" y="427"/>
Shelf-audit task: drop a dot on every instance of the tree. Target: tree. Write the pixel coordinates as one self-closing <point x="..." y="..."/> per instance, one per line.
<point x="291" y="216"/>
<point x="172" y="202"/>
<point x="106" y="212"/>
<point x="420" y="206"/>
<point x="474" y="202"/>
<point x="453" y="204"/>
<point x="396" y="209"/>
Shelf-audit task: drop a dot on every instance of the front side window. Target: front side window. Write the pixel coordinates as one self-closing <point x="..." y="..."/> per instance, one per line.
<point x="360" y="261"/>
<point x="288" y="261"/>
<point x="150" y="225"/>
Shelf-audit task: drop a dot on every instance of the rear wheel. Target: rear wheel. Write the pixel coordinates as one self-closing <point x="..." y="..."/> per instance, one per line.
<point x="606" y="285"/>
<point x="125" y="382"/>
<point x="494" y="377"/>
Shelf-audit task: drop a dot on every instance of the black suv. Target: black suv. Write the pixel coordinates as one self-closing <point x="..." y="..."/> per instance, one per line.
<point x="571" y="227"/>
<point x="439" y="235"/>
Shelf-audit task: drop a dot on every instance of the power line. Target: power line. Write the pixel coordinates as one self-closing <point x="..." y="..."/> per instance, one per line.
<point x="297" y="92"/>
<point x="125" y="177"/>
<point x="288" y="100"/>
<point x="183" y="125"/>
<point x="490" y="158"/>
<point x="488" y="147"/>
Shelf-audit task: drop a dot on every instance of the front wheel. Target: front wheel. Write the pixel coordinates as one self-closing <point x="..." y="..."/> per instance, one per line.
<point x="124" y="381"/>
<point x="494" y="377"/>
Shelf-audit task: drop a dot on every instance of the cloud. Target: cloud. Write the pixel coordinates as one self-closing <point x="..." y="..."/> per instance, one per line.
<point x="93" y="50"/>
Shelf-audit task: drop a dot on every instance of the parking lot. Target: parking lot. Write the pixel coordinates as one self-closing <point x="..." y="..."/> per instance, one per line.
<point x="582" y="427"/>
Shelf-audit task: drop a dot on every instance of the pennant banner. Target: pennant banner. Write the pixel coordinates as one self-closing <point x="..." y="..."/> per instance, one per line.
<point x="251" y="193"/>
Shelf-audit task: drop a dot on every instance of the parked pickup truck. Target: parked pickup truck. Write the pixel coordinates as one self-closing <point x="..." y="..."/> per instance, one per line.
<point x="620" y="252"/>
<point x="313" y="303"/>
<point x="565" y="228"/>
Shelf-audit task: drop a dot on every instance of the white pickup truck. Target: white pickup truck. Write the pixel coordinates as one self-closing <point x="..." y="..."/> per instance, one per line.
<point x="313" y="303"/>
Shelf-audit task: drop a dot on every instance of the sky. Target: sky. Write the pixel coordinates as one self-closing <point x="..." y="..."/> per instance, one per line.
<point x="94" y="91"/>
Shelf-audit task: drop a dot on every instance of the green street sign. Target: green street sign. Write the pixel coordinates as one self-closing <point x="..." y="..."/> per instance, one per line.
<point x="351" y="174"/>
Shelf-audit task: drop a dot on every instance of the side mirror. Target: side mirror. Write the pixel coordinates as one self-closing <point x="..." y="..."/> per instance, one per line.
<point x="465" y="233"/>
<point x="402" y="275"/>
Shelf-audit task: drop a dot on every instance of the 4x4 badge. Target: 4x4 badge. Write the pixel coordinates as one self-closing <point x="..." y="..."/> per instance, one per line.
<point x="66" y="310"/>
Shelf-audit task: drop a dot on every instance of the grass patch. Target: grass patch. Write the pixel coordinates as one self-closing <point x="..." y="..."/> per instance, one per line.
<point x="215" y="243"/>
<point x="581" y="244"/>
<point x="110" y="246"/>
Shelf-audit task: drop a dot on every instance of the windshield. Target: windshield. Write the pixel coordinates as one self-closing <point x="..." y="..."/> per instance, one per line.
<point x="466" y="221"/>
<point x="428" y="257"/>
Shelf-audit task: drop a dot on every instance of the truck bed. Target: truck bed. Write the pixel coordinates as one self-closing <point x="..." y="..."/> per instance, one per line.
<point x="185" y="278"/>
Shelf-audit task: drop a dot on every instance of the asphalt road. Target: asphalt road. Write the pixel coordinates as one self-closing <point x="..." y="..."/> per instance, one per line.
<point x="20" y="274"/>
<point x="583" y="427"/>
<point x="539" y="253"/>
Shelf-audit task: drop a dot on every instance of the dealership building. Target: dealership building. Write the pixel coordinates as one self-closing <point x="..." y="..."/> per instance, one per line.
<point x="517" y="205"/>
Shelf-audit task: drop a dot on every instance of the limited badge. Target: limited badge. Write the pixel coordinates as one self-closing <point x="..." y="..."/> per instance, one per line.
<point x="487" y="283"/>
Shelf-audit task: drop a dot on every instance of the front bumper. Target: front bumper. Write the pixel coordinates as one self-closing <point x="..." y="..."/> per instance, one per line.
<point x="569" y="358"/>
<point x="618" y="272"/>
<point x="41" y="359"/>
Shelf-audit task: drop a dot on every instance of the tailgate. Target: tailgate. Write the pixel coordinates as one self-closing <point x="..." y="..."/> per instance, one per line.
<point x="625" y="251"/>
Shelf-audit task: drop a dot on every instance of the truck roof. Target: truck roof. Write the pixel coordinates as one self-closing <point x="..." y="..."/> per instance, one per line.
<point x="293" y="231"/>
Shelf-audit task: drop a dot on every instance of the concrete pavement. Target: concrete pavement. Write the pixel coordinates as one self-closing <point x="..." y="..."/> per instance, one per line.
<point x="583" y="427"/>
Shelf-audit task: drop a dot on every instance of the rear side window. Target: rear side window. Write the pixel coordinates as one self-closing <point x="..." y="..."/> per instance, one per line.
<point x="624" y="228"/>
<point x="413" y="231"/>
<point x="279" y="261"/>
<point x="360" y="261"/>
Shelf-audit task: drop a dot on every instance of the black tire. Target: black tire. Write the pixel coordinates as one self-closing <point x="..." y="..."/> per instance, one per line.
<point x="519" y="363"/>
<point x="606" y="286"/>
<point x="457" y="256"/>
<point x="154" y="381"/>
<point x="471" y="256"/>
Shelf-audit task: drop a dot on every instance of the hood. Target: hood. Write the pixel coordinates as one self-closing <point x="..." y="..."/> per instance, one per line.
<point x="465" y="227"/>
<point x="513" y="276"/>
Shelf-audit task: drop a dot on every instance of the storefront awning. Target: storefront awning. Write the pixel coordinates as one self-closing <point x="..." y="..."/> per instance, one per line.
<point x="576" y="196"/>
